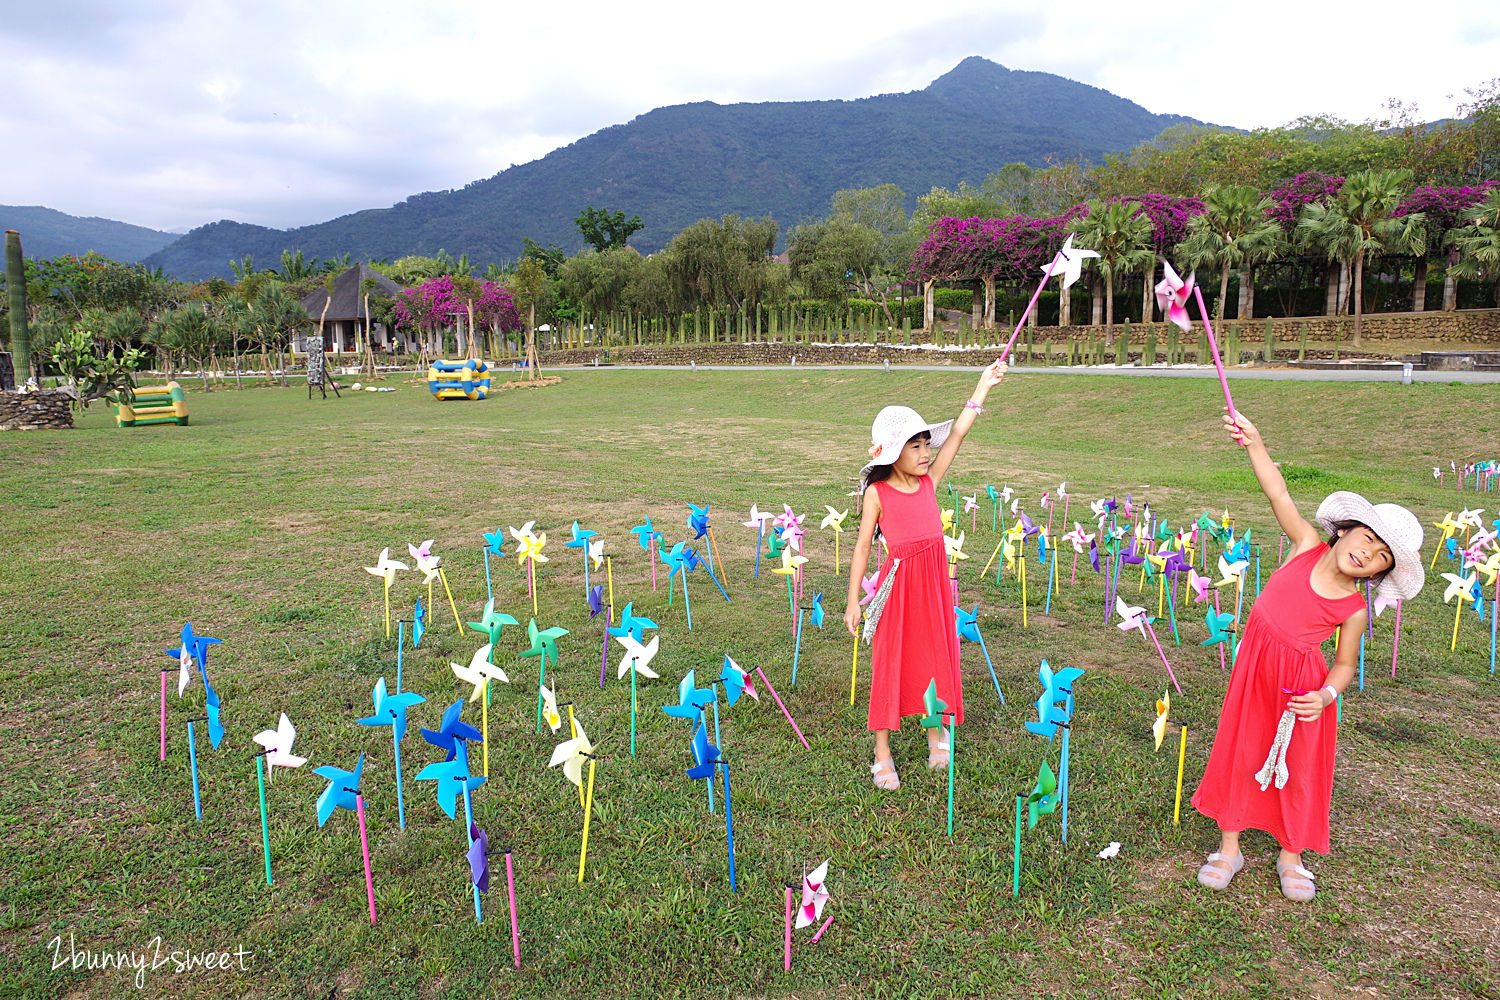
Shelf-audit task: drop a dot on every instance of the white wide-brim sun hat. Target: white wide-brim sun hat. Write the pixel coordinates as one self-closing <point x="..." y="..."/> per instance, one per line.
<point x="1392" y="524"/>
<point x="893" y="427"/>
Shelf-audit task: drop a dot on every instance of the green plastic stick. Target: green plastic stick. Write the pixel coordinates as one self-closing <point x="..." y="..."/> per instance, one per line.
<point x="1015" y="872"/>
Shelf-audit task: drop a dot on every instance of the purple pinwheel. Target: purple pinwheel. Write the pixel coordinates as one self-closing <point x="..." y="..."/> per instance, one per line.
<point x="479" y="858"/>
<point x="596" y="600"/>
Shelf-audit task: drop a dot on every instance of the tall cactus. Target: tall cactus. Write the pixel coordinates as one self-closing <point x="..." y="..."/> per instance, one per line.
<point x="15" y="280"/>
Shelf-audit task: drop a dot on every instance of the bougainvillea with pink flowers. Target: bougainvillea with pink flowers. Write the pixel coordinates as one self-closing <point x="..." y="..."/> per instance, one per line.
<point x="438" y="302"/>
<point x="1445" y="207"/>
<point x="1289" y="199"/>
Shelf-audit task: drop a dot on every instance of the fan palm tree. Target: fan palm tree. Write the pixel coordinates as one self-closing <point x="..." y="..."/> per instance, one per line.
<point x="281" y="315"/>
<point x="1358" y="221"/>
<point x="1234" y="231"/>
<point x="1478" y="244"/>
<point x="1121" y="234"/>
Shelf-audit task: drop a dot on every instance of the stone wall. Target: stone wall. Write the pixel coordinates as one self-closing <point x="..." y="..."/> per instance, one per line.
<point x="35" y="411"/>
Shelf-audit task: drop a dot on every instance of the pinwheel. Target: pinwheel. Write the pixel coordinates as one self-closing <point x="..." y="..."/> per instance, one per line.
<point x="550" y="713"/>
<point x="757" y="520"/>
<point x="1470" y="519"/>
<point x="571" y="754"/>
<point x="707" y="758"/>
<point x="212" y="713"/>
<point x="1135" y="619"/>
<point x="1199" y="585"/>
<point x="1462" y="589"/>
<point x="1159" y="733"/>
<point x="631" y="624"/>
<point x="530" y="552"/>
<point x="451" y="731"/>
<point x="432" y="569"/>
<point x="580" y="540"/>
<point x="478" y="857"/>
<point x="418" y="624"/>
<point x="775" y="543"/>
<point x="636" y="660"/>
<point x="967" y="624"/>
<point x="1220" y="628"/>
<point x="736" y="682"/>
<point x="698" y="521"/>
<point x="937" y="714"/>
<point x="814" y="898"/>
<point x="343" y="793"/>
<point x="1062" y="491"/>
<point x="1078" y="538"/>
<point x="1043" y="800"/>
<point x="492" y="623"/>
<point x="1447" y="526"/>
<point x="1057" y="687"/>
<point x="386" y="568"/>
<point x="791" y="566"/>
<point x="596" y="600"/>
<point x="480" y="671"/>
<point x="835" y="520"/>
<point x="543" y="645"/>
<point x="390" y="710"/>
<point x="1490" y="567"/>
<point x="192" y="649"/>
<point x="994" y="498"/>
<point x="494" y="544"/>
<point x="868" y="585"/>
<point x="647" y="536"/>
<point x="277" y="745"/>
<point x="452" y="779"/>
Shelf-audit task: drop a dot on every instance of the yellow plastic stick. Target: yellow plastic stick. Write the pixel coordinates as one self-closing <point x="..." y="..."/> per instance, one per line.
<point x="1161" y="592"/>
<point x="853" y="668"/>
<point x="993" y="554"/>
<point x="1458" y="605"/>
<point x="1023" y="585"/>
<point x="485" y="735"/>
<point x="836" y="551"/>
<point x="531" y="574"/>
<point x="444" y="577"/>
<point x="715" y="546"/>
<point x="609" y="571"/>
<point x="588" y="809"/>
<point x="388" y="609"/>
<point x="1181" y="759"/>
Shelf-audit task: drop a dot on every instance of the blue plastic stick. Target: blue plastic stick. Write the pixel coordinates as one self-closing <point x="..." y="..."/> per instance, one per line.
<point x="193" y="763"/>
<point x="728" y="823"/>
<point x="469" y="832"/>
<point x="797" y="649"/>
<point x="991" y="665"/>
<point x="488" y="590"/>
<point x="708" y="565"/>
<point x="687" y="601"/>
<point x="760" y="539"/>
<point x="400" y="798"/>
<point x="400" y="646"/>
<point x="585" y="571"/>
<point x="1051" y="575"/>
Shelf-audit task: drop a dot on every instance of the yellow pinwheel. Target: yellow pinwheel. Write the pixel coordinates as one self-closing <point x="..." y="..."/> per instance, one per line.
<point x="835" y="520"/>
<point x="571" y="754"/>
<point x="385" y="567"/>
<point x="1230" y="573"/>
<point x="549" y="707"/>
<point x="947" y="520"/>
<point x="1163" y="709"/>
<point x="955" y="547"/>
<point x="529" y="551"/>
<point x="1447" y="526"/>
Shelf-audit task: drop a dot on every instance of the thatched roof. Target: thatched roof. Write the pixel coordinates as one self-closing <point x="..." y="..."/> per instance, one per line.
<point x="348" y="296"/>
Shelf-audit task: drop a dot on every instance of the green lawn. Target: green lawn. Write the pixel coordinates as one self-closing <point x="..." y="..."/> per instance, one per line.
<point x="254" y="523"/>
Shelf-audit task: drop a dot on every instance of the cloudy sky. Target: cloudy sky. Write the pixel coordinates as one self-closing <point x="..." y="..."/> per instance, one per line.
<point x="171" y="114"/>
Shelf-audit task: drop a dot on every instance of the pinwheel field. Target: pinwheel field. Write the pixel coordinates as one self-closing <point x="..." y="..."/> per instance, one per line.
<point x="256" y="524"/>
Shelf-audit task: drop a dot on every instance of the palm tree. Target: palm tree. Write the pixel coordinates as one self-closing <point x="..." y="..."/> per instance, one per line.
<point x="281" y="316"/>
<point x="1121" y="234"/>
<point x="1478" y="244"/>
<point x="1234" y="230"/>
<point x="1359" y="221"/>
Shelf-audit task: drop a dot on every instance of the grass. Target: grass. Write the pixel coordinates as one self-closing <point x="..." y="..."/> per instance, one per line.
<point x="254" y="521"/>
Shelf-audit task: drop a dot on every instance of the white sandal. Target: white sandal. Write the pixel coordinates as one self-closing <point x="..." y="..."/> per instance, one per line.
<point x="884" y="772"/>
<point x="1211" y="877"/>
<point x="1296" y="882"/>
<point x="934" y="761"/>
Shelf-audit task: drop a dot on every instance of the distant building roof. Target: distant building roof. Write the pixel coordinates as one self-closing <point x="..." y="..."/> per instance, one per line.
<point x="348" y="296"/>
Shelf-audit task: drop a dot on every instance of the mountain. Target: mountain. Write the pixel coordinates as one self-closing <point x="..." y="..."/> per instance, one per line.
<point x="677" y="164"/>
<point x="46" y="232"/>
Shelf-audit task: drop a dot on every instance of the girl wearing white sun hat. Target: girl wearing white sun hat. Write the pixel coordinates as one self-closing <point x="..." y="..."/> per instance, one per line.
<point x="1281" y="689"/>
<point x="916" y="643"/>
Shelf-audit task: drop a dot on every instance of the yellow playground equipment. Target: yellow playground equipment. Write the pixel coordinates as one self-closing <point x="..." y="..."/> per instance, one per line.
<point x="154" y="404"/>
<point x="459" y="379"/>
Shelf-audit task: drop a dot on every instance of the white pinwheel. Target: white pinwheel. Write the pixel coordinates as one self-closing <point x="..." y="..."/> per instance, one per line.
<point x="480" y="671"/>
<point x="278" y="745"/>
<point x="637" y="656"/>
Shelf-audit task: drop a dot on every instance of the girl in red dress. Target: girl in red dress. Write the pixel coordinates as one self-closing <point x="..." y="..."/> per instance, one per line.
<point x="915" y="642"/>
<point x="1271" y="767"/>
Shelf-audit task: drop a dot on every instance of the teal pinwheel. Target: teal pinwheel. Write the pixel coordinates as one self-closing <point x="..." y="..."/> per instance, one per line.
<point x="1219" y="627"/>
<point x="342" y="788"/>
<point x="936" y="707"/>
<point x="494" y="541"/>
<point x="1051" y="705"/>
<point x="631" y="624"/>
<point x="817" y="609"/>
<point x="967" y="624"/>
<point x="644" y="533"/>
<point x="453" y="779"/>
<point x="691" y="699"/>
<point x="390" y="709"/>
<point x="543" y="641"/>
<point x="1043" y="799"/>
<point x="418" y="624"/>
<point x="492" y="622"/>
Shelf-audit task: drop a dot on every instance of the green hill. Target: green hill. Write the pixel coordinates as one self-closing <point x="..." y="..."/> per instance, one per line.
<point x="46" y="232"/>
<point x="677" y="164"/>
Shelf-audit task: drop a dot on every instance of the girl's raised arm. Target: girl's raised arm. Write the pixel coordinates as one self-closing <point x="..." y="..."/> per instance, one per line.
<point x="1301" y="532"/>
<point x="988" y="379"/>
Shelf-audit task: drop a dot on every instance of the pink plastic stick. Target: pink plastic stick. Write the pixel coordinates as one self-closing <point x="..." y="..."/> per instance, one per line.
<point x="1030" y="306"/>
<point x="515" y="931"/>
<point x="783" y="708"/>
<point x="1073" y="579"/>
<point x="1396" y="641"/>
<point x="823" y="928"/>
<point x="364" y="846"/>
<point x="786" y="941"/>
<point x="1163" y="656"/>
<point x="1222" y="665"/>
<point x="1214" y="347"/>
<point x="163" y="715"/>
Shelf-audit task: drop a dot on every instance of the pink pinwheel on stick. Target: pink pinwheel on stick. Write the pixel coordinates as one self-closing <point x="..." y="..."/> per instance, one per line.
<point x="1135" y="618"/>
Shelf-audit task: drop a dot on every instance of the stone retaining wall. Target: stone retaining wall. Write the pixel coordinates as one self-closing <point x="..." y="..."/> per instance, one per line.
<point x="36" y="411"/>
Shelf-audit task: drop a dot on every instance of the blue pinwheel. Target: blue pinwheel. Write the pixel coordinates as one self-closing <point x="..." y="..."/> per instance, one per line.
<point x="342" y="788"/>
<point x="967" y="624"/>
<point x="698" y="520"/>
<point x="817" y="609"/>
<point x="580" y="540"/>
<point x="644" y="533"/>
<point x="195" y="646"/>
<point x="631" y="624"/>
<point x="453" y="779"/>
<point x="691" y="699"/>
<point x="390" y="710"/>
<point x="1056" y="687"/>
<point x="418" y="624"/>
<point x="452" y="730"/>
<point x="676" y="560"/>
<point x="706" y="759"/>
<point x="494" y="542"/>
<point x="212" y="709"/>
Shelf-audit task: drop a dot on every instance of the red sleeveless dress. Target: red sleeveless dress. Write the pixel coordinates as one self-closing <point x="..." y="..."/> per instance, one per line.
<point x="1281" y="648"/>
<point x="916" y="640"/>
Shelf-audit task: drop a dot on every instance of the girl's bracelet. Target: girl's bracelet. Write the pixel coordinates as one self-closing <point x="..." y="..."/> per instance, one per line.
<point x="978" y="410"/>
<point x="1333" y="694"/>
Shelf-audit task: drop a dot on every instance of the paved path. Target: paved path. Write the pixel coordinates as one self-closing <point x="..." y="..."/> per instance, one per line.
<point x="1235" y="374"/>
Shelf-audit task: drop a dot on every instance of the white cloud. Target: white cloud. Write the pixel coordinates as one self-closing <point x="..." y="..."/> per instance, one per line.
<point x="171" y="114"/>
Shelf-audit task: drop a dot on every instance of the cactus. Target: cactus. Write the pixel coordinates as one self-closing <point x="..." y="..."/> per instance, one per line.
<point x="15" y="282"/>
<point x="1270" y="342"/>
<point x="1302" y="350"/>
<point x="1148" y="357"/>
